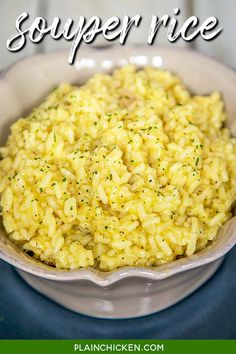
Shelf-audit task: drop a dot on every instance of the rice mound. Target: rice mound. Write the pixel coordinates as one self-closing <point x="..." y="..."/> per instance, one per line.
<point x="128" y="170"/>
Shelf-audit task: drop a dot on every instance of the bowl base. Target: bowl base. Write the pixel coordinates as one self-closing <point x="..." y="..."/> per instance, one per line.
<point x="133" y="297"/>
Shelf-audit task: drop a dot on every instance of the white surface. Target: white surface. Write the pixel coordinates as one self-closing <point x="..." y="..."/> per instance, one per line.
<point x="9" y="11"/>
<point x="222" y="48"/>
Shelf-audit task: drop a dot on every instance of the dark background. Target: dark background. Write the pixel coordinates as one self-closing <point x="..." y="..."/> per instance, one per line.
<point x="209" y="313"/>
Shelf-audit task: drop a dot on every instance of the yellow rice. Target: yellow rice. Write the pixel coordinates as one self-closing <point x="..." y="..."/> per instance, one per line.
<point x="127" y="170"/>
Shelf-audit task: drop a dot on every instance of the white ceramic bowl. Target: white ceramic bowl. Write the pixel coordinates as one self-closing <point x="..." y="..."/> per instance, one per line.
<point x="127" y="292"/>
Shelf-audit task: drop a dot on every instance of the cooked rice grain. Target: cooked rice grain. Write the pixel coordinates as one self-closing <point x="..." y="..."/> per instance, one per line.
<point x="127" y="170"/>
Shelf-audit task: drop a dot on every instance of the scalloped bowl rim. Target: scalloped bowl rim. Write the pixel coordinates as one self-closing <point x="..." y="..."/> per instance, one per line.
<point x="208" y="255"/>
